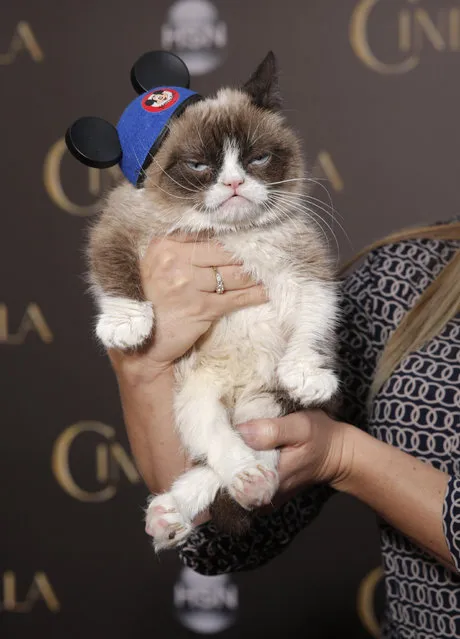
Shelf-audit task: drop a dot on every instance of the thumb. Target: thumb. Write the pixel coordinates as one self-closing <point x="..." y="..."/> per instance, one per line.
<point x="266" y="434"/>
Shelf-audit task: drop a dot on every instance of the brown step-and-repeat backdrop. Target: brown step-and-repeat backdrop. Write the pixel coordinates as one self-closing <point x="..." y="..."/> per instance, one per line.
<point x="373" y="88"/>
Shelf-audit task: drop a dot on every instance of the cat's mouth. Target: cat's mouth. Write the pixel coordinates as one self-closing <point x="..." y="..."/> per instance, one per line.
<point x="235" y="199"/>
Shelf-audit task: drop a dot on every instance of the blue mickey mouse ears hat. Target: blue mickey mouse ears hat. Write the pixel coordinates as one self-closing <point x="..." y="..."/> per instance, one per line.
<point x="162" y="80"/>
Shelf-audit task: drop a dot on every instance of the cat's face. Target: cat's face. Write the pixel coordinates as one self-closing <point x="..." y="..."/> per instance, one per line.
<point x="228" y="163"/>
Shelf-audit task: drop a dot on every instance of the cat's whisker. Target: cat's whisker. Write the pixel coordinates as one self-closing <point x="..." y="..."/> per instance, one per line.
<point x="301" y="179"/>
<point x="141" y="169"/>
<point x="306" y="211"/>
<point x="320" y="207"/>
<point x="179" y="197"/>
<point x="296" y="203"/>
<point x="275" y="155"/>
<point x="255" y="131"/>
<point x="197" y="190"/>
<point x="287" y="213"/>
<point x="305" y="201"/>
<point x="317" y="182"/>
<point x="170" y="177"/>
<point x="149" y="180"/>
<point x="254" y="140"/>
<point x="249" y="133"/>
<point x="320" y="219"/>
<point x="199" y="135"/>
<point x="283" y="208"/>
<point x="333" y="212"/>
<point x="319" y="179"/>
<point x="270" y="207"/>
<point x="306" y="196"/>
<point x="333" y="219"/>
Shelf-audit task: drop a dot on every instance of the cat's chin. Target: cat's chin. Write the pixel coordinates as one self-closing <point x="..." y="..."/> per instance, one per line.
<point x="242" y="218"/>
<point x="226" y="218"/>
<point x="237" y="211"/>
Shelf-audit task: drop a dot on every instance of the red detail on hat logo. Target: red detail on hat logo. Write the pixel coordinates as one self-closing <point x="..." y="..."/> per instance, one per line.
<point x="160" y="100"/>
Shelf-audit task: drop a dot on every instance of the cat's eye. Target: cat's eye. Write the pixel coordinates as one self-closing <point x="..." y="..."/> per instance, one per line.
<point x="197" y="166"/>
<point x="260" y="160"/>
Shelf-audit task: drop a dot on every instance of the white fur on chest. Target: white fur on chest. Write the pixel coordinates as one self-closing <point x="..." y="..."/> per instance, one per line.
<point x="244" y="348"/>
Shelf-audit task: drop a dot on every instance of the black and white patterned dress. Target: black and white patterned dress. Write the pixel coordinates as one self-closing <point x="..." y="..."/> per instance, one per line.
<point x="417" y="410"/>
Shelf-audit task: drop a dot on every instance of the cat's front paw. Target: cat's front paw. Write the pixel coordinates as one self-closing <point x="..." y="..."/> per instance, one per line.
<point x="254" y="486"/>
<point x="307" y="384"/>
<point x="124" y="323"/>
<point x="165" y="523"/>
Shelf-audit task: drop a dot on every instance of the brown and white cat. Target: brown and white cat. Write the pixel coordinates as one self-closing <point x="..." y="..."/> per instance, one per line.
<point x="230" y="167"/>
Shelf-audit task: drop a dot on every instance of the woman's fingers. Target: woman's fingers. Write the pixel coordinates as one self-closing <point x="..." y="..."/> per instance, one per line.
<point x="233" y="277"/>
<point x="199" y="253"/>
<point x="233" y="300"/>
<point x="267" y="434"/>
<point x="206" y="254"/>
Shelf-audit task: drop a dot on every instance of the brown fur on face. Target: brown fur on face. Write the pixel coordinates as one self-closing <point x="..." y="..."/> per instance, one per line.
<point x="199" y="135"/>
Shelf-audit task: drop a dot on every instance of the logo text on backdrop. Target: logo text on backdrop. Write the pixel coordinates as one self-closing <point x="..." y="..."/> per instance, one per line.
<point x="195" y="32"/>
<point x="23" y="40"/>
<point x="30" y="590"/>
<point x="109" y="459"/>
<point x="416" y="28"/>
<point x="33" y="320"/>
<point x="53" y="180"/>
<point x="206" y="605"/>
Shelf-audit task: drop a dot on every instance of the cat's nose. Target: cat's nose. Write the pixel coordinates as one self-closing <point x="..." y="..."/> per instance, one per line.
<point x="234" y="182"/>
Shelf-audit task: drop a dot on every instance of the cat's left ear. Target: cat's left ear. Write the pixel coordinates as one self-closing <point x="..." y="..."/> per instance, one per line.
<point x="263" y="85"/>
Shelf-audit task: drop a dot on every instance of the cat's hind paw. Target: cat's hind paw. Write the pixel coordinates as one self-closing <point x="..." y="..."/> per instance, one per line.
<point x="254" y="486"/>
<point x="165" y="524"/>
<point x="124" y="323"/>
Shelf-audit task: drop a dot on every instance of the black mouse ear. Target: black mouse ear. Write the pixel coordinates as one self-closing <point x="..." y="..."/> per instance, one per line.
<point x="94" y="142"/>
<point x="159" y="68"/>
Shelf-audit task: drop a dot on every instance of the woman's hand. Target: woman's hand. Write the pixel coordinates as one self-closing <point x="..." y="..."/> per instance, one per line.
<point x="313" y="448"/>
<point x="178" y="279"/>
<point x="405" y="491"/>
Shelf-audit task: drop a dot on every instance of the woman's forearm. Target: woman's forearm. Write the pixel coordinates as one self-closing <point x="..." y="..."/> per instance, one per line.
<point x="147" y="400"/>
<point x="404" y="491"/>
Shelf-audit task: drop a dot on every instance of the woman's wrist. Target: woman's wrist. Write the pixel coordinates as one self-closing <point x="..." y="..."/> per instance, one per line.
<point x="137" y="369"/>
<point x="361" y="453"/>
<point x="343" y="454"/>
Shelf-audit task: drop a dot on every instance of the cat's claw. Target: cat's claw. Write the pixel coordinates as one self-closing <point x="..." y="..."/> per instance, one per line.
<point x="254" y="486"/>
<point x="307" y="385"/>
<point x="165" y="524"/>
<point x="124" y="324"/>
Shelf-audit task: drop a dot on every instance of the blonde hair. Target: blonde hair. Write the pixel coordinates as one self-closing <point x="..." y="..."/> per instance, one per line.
<point x="438" y="304"/>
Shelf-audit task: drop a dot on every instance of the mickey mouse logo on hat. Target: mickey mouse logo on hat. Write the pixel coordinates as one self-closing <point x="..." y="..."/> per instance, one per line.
<point x="162" y="80"/>
<point x="160" y="99"/>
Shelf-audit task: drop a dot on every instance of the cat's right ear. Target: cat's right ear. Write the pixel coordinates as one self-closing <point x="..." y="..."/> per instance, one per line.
<point x="263" y="85"/>
<point x="94" y="142"/>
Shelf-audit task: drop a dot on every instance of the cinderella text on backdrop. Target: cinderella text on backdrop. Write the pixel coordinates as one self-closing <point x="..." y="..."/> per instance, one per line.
<point x="416" y="28"/>
<point x="109" y="457"/>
